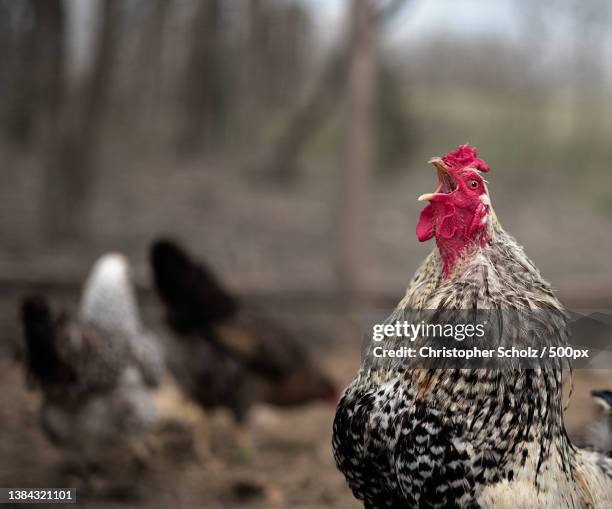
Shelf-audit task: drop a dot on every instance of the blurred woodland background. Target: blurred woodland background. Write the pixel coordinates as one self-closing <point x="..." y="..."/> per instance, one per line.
<point x="286" y="141"/>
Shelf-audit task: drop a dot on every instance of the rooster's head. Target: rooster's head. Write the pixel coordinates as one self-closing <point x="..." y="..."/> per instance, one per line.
<point x="459" y="210"/>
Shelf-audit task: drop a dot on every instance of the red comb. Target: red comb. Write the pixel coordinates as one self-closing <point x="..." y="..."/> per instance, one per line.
<point x="463" y="157"/>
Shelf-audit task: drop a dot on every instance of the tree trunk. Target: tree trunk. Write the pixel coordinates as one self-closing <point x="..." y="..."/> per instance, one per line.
<point x="203" y="94"/>
<point x="354" y="215"/>
<point x="280" y="164"/>
<point x="73" y="167"/>
<point x="152" y="75"/>
<point x="38" y="80"/>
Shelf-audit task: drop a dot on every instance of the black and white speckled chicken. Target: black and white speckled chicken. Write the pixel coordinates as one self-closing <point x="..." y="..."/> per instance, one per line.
<point x="95" y="373"/>
<point x="228" y="354"/>
<point x="407" y="436"/>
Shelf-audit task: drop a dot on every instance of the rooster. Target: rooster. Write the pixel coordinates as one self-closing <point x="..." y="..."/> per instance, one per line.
<point x="490" y="438"/>
<point x="96" y="373"/>
<point x="227" y="354"/>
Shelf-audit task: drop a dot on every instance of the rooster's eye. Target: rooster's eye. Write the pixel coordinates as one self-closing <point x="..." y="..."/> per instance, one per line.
<point x="473" y="184"/>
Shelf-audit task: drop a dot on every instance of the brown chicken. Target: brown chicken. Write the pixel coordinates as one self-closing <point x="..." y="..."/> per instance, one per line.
<point x="228" y="354"/>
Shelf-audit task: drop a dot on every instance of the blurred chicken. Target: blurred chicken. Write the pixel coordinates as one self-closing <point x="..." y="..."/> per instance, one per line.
<point x="229" y="355"/>
<point x="600" y="432"/>
<point x="95" y="374"/>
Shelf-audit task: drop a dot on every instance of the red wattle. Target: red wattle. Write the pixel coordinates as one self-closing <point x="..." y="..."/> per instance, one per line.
<point x="425" y="229"/>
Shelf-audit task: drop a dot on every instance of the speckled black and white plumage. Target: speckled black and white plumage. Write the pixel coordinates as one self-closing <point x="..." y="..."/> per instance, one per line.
<point x="406" y="437"/>
<point x="96" y="372"/>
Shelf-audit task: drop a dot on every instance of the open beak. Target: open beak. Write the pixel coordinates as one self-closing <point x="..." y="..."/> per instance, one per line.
<point x="426" y="197"/>
<point x="446" y="183"/>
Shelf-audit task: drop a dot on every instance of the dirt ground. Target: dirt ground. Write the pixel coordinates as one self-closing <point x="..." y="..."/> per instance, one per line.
<point x="288" y="463"/>
<point x="291" y="465"/>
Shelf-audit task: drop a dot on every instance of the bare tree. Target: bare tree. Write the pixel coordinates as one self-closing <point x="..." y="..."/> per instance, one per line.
<point x="318" y="103"/>
<point x="73" y="163"/>
<point x="38" y="72"/>
<point x="357" y="148"/>
<point x="311" y="111"/>
<point x="152" y="41"/>
<point x="204" y="93"/>
<point x="275" y="52"/>
<point x="589" y="21"/>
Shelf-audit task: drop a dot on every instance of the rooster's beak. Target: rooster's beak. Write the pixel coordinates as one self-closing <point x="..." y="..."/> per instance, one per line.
<point x="442" y="169"/>
<point x="439" y="164"/>
<point x="426" y="197"/>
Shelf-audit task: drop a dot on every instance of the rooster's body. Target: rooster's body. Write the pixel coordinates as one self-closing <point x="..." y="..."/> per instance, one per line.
<point x="408" y="437"/>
